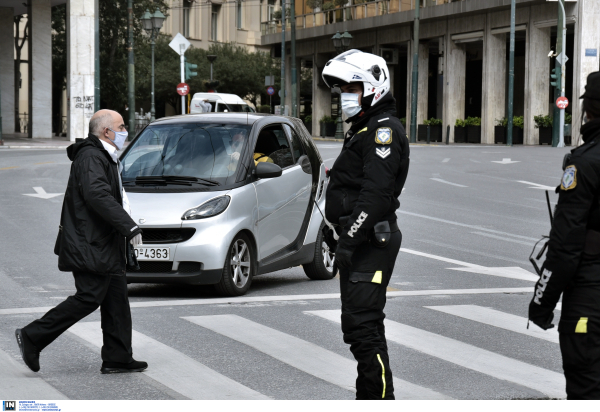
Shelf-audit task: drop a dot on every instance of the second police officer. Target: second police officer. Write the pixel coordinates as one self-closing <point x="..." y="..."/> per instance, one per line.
<point x="361" y="200"/>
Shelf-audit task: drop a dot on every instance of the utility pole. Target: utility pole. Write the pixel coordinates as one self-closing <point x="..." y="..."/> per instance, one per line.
<point x="96" y="55"/>
<point x="555" y="81"/>
<point x="130" y="71"/>
<point x="562" y="59"/>
<point x="282" y="91"/>
<point x="511" y="75"/>
<point x="293" y="58"/>
<point x="415" y="75"/>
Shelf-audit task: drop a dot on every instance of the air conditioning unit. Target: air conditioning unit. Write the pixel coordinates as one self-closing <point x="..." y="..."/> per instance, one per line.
<point x="389" y="55"/>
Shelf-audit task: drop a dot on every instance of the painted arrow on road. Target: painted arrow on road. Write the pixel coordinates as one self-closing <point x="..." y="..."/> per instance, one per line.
<point x="505" y="161"/>
<point x="537" y="186"/>
<point x="41" y="193"/>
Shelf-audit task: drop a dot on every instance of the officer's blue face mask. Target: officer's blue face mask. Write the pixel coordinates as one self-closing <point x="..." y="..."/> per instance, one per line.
<point x="350" y="106"/>
<point x="120" y="138"/>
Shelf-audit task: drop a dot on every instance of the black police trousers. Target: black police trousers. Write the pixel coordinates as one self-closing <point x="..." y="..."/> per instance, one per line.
<point x="363" y="287"/>
<point x="581" y="364"/>
<point x="109" y="292"/>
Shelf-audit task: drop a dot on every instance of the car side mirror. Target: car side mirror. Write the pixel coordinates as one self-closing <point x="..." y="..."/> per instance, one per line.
<point x="265" y="170"/>
<point x="304" y="162"/>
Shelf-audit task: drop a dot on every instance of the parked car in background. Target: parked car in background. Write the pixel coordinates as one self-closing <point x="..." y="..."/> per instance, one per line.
<point x="220" y="102"/>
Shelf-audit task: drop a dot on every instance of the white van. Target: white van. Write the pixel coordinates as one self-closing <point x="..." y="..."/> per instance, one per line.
<point x="220" y="102"/>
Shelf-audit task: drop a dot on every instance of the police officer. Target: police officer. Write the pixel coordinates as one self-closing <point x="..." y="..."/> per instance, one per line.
<point x="572" y="265"/>
<point x="361" y="200"/>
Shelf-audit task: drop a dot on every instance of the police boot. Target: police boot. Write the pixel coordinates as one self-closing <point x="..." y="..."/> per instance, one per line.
<point x="30" y="354"/>
<point x="116" y="367"/>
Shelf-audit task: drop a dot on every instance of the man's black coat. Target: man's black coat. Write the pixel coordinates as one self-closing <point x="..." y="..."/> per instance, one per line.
<point x="94" y="227"/>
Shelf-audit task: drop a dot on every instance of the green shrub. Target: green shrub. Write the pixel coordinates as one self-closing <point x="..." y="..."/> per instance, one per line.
<point x="518" y="121"/>
<point x="568" y="118"/>
<point x="460" y="123"/>
<point x="265" y="108"/>
<point x="433" y="122"/>
<point x="403" y="121"/>
<point x="308" y="119"/>
<point x="327" y="119"/>
<point x="473" y="121"/>
<point x="542" y="121"/>
<point x="502" y="122"/>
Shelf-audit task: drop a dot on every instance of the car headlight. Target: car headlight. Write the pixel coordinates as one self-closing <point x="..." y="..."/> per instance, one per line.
<point x="208" y="209"/>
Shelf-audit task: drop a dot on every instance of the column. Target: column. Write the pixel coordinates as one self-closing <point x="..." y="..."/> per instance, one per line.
<point x="423" y="91"/>
<point x="586" y="54"/>
<point x="494" y="76"/>
<point x="321" y="94"/>
<point x="7" y="70"/>
<point x="40" y="69"/>
<point x="537" y="77"/>
<point x="454" y="86"/>
<point x="80" y="67"/>
<point x="409" y="59"/>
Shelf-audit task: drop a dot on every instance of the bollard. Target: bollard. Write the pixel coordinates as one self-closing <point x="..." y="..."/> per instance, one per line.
<point x="428" y="134"/>
<point x="448" y="134"/>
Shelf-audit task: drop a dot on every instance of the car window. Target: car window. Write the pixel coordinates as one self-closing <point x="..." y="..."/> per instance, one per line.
<point x="297" y="148"/>
<point x="209" y="151"/>
<point x="221" y="107"/>
<point x="272" y="146"/>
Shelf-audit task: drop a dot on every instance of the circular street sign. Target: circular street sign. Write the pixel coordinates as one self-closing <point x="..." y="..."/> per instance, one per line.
<point x="270" y="90"/>
<point x="183" y="89"/>
<point x="562" y="102"/>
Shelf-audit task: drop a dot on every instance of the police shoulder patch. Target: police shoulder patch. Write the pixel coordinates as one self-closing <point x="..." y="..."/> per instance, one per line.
<point x="383" y="135"/>
<point x="569" y="179"/>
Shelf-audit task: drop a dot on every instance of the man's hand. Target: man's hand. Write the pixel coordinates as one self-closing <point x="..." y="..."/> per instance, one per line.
<point x="329" y="239"/>
<point x="235" y="156"/>
<point x="136" y="240"/>
<point x="343" y="258"/>
<point x="541" y="316"/>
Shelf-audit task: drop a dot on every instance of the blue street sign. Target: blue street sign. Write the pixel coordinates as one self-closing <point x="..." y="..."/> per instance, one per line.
<point x="591" y="52"/>
<point x="270" y="90"/>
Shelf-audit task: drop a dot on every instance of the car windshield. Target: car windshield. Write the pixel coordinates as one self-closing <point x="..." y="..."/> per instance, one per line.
<point x="208" y="152"/>
<point x="230" y="107"/>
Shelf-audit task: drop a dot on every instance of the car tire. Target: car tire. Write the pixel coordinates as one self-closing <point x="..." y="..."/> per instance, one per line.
<point x="323" y="265"/>
<point x="239" y="267"/>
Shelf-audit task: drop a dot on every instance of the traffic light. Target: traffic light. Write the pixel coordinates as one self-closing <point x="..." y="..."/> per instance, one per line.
<point x="188" y="69"/>
<point x="555" y="76"/>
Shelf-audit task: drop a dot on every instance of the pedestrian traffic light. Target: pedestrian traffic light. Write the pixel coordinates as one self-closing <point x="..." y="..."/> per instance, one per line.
<point x="188" y="69"/>
<point x="555" y="76"/>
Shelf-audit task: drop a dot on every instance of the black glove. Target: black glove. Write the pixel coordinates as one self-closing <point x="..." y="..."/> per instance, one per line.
<point x="541" y="316"/>
<point x="343" y="258"/>
<point x="329" y="239"/>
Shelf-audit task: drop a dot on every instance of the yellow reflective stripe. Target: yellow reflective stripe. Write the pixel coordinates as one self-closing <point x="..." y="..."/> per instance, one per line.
<point x="581" y="326"/>
<point x="382" y="375"/>
<point x="362" y="130"/>
<point x="377" y="277"/>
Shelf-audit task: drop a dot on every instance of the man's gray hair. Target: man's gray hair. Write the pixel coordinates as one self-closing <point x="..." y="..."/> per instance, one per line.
<point x="98" y="124"/>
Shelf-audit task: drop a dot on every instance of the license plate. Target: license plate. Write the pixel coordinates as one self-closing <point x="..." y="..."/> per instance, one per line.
<point x="153" y="253"/>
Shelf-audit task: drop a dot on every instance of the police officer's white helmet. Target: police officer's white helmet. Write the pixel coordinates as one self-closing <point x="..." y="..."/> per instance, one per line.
<point x="356" y="66"/>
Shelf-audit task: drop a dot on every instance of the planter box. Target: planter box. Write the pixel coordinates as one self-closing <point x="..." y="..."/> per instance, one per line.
<point x="546" y="135"/>
<point x="322" y="131"/>
<point x="330" y="129"/>
<point x="421" y="133"/>
<point x="308" y="127"/>
<point x="517" y="135"/>
<point x="435" y="133"/>
<point x="460" y="134"/>
<point x="500" y="134"/>
<point x="473" y="134"/>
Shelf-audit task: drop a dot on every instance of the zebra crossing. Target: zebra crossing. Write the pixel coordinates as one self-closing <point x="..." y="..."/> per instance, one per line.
<point x="190" y="378"/>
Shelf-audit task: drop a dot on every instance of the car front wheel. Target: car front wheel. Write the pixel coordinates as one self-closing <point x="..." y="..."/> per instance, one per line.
<point x="239" y="267"/>
<point x="323" y="265"/>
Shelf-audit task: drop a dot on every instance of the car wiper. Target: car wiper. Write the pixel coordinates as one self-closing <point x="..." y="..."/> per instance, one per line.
<point x="158" y="180"/>
<point x="190" y="179"/>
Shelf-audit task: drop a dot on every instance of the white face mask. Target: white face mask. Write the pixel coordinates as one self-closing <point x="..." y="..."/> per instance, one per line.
<point x="350" y="105"/>
<point x="120" y="138"/>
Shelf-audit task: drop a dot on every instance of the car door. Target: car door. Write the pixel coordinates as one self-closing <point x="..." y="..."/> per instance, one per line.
<point x="282" y="201"/>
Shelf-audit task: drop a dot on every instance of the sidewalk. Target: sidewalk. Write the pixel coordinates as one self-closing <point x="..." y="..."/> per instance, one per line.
<point x="21" y="141"/>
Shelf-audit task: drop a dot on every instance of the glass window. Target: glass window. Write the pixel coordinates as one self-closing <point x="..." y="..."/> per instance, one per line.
<point x="272" y="146"/>
<point x="297" y="147"/>
<point x="213" y="23"/>
<point x="186" y="18"/>
<point x="239" y="14"/>
<point x="206" y="151"/>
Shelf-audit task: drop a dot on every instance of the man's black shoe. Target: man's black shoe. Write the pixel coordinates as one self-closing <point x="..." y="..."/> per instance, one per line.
<point x="115" y="367"/>
<point x="30" y="354"/>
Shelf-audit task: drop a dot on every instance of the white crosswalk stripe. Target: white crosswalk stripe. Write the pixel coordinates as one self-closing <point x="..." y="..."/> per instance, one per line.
<point x="498" y="319"/>
<point x="468" y="356"/>
<point x="18" y="382"/>
<point x="173" y="369"/>
<point x="301" y="354"/>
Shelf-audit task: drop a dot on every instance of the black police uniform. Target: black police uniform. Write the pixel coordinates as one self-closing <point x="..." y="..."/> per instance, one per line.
<point x="364" y="186"/>
<point x="572" y="268"/>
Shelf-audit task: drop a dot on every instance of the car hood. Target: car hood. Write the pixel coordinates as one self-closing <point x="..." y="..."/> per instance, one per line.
<point x="165" y="209"/>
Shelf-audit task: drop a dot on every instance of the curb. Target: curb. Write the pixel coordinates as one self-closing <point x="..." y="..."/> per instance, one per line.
<point x="33" y="147"/>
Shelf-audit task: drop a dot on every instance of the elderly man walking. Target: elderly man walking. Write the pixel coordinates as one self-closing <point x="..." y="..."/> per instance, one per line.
<point x="92" y="242"/>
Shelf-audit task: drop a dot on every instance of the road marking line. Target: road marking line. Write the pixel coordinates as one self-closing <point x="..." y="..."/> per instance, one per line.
<point x="173" y="369"/>
<point x="283" y="298"/>
<point x="468" y="356"/>
<point x="43" y="163"/>
<point x="537" y="186"/>
<point x="448" y="183"/>
<point x="450" y="222"/>
<point x="7" y="168"/>
<point x="300" y="354"/>
<point x="498" y="319"/>
<point x="446" y="160"/>
<point x="18" y="382"/>
<point x="474" y="161"/>
<point x="520" y="242"/>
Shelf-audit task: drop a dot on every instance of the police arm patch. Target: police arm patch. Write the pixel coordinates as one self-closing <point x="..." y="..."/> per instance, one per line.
<point x="569" y="179"/>
<point x="383" y="135"/>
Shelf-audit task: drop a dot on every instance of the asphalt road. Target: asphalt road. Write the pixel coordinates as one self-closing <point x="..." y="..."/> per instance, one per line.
<point x="456" y="311"/>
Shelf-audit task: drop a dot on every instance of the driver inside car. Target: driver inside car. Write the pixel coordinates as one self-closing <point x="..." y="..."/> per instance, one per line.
<point x="237" y="142"/>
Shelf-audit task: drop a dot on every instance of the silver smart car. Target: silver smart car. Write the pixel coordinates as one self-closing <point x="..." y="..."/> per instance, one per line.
<point x="223" y="197"/>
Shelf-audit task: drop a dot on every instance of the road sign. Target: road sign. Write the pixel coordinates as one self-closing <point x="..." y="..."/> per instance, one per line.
<point x="562" y="57"/>
<point x="270" y="91"/>
<point x="183" y="89"/>
<point x="562" y="102"/>
<point x="179" y="43"/>
<point x="269" y="80"/>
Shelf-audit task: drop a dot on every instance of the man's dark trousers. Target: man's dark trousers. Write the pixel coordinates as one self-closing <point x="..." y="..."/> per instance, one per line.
<point x="363" y="287"/>
<point x="93" y="290"/>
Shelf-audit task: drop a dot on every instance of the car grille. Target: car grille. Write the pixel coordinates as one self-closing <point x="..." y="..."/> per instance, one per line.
<point x="189" y="267"/>
<point x="154" y="267"/>
<point x="167" y="235"/>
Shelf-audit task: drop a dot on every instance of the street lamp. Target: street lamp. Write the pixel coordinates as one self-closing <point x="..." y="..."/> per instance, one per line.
<point x="211" y="58"/>
<point x="341" y="43"/>
<point x="152" y="24"/>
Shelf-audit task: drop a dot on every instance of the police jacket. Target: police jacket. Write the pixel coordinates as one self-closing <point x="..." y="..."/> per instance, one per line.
<point x="572" y="265"/>
<point x="368" y="175"/>
<point x="94" y="227"/>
